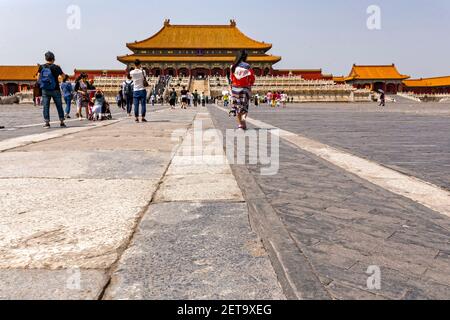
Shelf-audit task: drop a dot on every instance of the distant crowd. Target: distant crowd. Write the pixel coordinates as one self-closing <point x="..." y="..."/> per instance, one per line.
<point x="135" y="93"/>
<point x="91" y="103"/>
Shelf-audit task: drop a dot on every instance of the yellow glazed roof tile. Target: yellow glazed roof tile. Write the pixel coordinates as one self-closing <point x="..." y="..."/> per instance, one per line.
<point x="199" y="37"/>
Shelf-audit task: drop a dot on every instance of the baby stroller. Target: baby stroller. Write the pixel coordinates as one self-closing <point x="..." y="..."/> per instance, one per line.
<point x="104" y="115"/>
<point x="105" y="111"/>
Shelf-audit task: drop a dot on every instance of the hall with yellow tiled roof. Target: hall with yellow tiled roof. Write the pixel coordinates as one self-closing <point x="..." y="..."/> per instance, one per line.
<point x="376" y="77"/>
<point x="198" y="50"/>
<point x="428" y="85"/>
<point x="14" y="79"/>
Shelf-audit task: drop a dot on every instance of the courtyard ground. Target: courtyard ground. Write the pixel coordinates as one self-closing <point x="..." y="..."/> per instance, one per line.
<point x="124" y="211"/>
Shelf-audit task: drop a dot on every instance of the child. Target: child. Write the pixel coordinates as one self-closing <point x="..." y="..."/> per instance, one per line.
<point x="278" y="98"/>
<point x="284" y="98"/>
<point x="225" y="100"/>
<point x="99" y="101"/>
<point x="242" y="80"/>
<point x="269" y="98"/>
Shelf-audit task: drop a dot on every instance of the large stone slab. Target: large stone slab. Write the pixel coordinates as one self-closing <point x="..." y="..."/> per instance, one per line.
<point x="40" y="137"/>
<point x="53" y="223"/>
<point x="106" y="142"/>
<point x="84" y="165"/>
<point x="199" y="187"/>
<point x="195" y="251"/>
<point x="199" y="169"/>
<point x="70" y="284"/>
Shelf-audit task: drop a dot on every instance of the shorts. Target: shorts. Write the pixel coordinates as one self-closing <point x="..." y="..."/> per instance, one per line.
<point x="241" y="99"/>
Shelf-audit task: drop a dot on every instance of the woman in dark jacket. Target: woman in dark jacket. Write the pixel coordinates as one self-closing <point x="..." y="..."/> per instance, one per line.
<point x="81" y="89"/>
<point x="37" y="94"/>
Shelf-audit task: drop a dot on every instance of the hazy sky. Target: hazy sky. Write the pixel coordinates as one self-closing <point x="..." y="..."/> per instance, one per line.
<point x="327" y="34"/>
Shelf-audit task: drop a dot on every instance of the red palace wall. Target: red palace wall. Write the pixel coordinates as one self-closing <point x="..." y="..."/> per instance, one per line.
<point x="100" y="73"/>
<point x="305" y="74"/>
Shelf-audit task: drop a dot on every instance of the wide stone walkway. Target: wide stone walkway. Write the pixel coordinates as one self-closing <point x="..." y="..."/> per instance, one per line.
<point x="340" y="225"/>
<point x="359" y="207"/>
<point x="113" y="212"/>
<point x="25" y="120"/>
<point x="195" y="241"/>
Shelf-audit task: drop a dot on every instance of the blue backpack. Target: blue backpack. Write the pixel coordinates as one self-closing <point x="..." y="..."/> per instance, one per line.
<point x="47" y="80"/>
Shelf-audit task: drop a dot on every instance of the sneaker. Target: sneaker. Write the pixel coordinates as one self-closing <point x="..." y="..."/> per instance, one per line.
<point x="62" y="125"/>
<point x="144" y="120"/>
<point x="47" y="125"/>
<point x="137" y="120"/>
<point x="68" y="116"/>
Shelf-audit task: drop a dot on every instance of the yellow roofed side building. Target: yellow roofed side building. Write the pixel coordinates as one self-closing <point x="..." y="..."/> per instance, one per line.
<point x="376" y="78"/>
<point x="14" y="79"/>
<point x="428" y="85"/>
<point x="198" y="50"/>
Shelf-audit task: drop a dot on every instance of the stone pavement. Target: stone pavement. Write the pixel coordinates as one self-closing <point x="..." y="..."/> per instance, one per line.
<point x="342" y="226"/>
<point x="84" y="207"/>
<point x="195" y="241"/>
<point x="127" y="211"/>
<point x="25" y="120"/>
<point x="412" y="139"/>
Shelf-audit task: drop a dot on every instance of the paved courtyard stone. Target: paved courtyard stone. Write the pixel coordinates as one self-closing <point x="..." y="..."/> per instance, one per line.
<point x="342" y="223"/>
<point x="195" y="251"/>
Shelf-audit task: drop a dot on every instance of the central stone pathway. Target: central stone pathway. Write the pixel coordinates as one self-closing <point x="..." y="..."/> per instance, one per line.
<point x="122" y="201"/>
<point x="195" y="241"/>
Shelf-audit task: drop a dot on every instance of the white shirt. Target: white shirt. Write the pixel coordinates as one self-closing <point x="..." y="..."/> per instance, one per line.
<point x="138" y="79"/>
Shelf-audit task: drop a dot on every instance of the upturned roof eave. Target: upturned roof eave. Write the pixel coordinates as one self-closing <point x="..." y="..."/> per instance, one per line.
<point x="133" y="47"/>
<point x="227" y="58"/>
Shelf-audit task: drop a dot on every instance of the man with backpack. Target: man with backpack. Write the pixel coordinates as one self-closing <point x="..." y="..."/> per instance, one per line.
<point x="128" y="88"/>
<point x="48" y="80"/>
